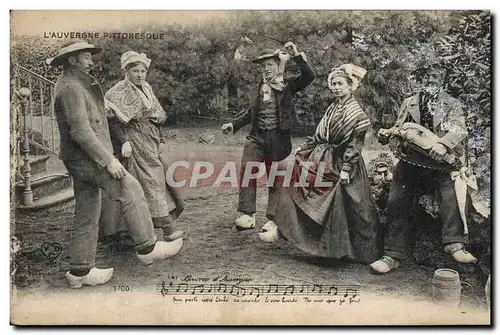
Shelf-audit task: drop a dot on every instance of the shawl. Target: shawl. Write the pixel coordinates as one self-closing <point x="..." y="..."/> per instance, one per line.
<point x="341" y="122"/>
<point x="127" y="101"/>
<point x="340" y="125"/>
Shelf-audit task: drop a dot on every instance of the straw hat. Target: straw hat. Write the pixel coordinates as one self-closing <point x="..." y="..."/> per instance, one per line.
<point x="69" y="49"/>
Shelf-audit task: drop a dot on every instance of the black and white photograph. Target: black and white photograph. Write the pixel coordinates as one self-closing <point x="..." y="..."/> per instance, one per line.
<point x="251" y="167"/>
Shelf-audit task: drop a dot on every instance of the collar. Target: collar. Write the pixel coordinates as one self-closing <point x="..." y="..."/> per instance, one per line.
<point x="81" y="75"/>
<point x="443" y="96"/>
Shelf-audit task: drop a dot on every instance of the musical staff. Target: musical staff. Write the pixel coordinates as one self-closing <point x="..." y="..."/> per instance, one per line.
<point x="256" y="290"/>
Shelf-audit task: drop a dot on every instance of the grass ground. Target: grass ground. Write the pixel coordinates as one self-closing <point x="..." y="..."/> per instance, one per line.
<point x="211" y="248"/>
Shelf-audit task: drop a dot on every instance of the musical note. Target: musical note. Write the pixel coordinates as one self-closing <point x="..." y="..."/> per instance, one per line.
<point x="320" y="288"/>
<point x="255" y="288"/>
<point x="238" y="289"/>
<point x="199" y="287"/>
<point x="333" y="288"/>
<point x="220" y="288"/>
<point x="291" y="287"/>
<point x="352" y="290"/>
<point x="302" y="288"/>
<point x="182" y="284"/>
<point x="271" y="285"/>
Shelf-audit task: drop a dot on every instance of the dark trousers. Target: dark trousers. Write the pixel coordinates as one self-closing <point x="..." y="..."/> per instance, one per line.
<point x="88" y="180"/>
<point x="409" y="182"/>
<point x="265" y="146"/>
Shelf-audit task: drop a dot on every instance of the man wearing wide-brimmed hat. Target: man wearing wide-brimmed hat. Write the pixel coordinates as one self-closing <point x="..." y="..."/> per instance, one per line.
<point x="272" y="116"/>
<point x="87" y="153"/>
<point x="442" y="115"/>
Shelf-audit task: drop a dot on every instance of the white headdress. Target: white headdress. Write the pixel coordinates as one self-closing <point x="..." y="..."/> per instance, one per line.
<point x="353" y="72"/>
<point x="130" y="57"/>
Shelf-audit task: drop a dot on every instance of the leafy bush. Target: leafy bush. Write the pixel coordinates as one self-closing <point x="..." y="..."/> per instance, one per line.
<point x="193" y="64"/>
<point x="205" y="70"/>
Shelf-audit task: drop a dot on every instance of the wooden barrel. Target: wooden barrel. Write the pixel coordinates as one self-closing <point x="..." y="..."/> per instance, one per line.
<point x="446" y="287"/>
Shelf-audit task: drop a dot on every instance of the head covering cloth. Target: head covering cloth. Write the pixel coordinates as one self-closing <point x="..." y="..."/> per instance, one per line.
<point x="131" y="57"/>
<point x="351" y="72"/>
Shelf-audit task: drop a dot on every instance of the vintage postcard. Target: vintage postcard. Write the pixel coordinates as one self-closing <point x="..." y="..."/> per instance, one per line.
<point x="250" y="167"/>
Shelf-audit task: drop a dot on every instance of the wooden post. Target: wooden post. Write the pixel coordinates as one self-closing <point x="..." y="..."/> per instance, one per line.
<point x="25" y="95"/>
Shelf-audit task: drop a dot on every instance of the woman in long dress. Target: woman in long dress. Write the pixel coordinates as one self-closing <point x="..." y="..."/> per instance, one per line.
<point x="135" y="116"/>
<point x="338" y="220"/>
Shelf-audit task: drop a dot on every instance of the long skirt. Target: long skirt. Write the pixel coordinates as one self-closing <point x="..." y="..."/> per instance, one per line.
<point x="340" y="222"/>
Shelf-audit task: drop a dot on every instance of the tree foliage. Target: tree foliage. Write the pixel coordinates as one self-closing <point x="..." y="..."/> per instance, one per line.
<point x="205" y="69"/>
<point x="466" y="54"/>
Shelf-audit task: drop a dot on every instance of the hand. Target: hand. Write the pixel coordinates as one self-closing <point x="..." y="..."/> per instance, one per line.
<point x="126" y="149"/>
<point x="344" y="177"/>
<point x="438" y="151"/>
<point x="291" y="49"/>
<point x="227" y="127"/>
<point x="282" y="55"/>
<point x="116" y="169"/>
<point x="163" y="146"/>
<point x="297" y="150"/>
<point x="159" y="119"/>
<point x="384" y="133"/>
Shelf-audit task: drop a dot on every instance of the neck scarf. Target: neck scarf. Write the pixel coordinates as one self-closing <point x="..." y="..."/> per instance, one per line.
<point x="277" y="82"/>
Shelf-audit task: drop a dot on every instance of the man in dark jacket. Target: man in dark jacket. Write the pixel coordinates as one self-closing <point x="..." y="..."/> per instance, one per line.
<point x="87" y="153"/>
<point x="272" y="116"/>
